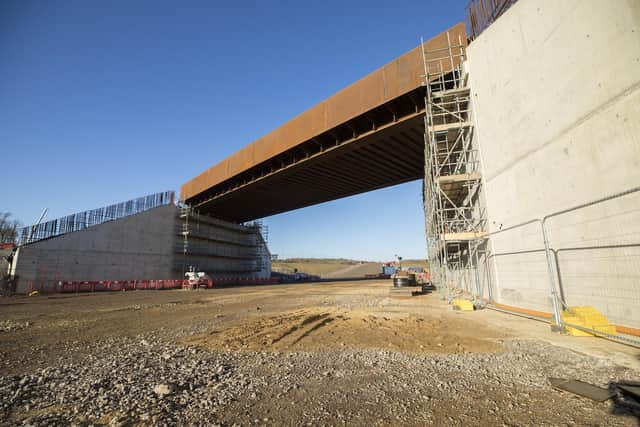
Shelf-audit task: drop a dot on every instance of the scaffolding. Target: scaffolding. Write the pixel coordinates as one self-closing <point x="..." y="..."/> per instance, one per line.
<point x="261" y="236"/>
<point x="455" y="219"/>
<point x="185" y="213"/>
<point x="240" y="248"/>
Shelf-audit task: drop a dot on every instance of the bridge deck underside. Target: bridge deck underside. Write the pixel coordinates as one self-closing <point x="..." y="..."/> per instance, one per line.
<point x="367" y="136"/>
<point x="348" y="160"/>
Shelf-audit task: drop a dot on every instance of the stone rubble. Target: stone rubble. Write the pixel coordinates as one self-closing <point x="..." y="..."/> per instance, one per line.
<point x="151" y="380"/>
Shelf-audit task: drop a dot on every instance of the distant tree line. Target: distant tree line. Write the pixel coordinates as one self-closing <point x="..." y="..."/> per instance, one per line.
<point x="8" y="228"/>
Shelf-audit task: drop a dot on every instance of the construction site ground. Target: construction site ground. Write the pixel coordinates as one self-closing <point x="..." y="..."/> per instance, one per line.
<point x="328" y="268"/>
<point x="339" y="353"/>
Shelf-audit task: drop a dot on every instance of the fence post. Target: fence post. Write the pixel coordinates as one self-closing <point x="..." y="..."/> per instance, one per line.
<point x="552" y="281"/>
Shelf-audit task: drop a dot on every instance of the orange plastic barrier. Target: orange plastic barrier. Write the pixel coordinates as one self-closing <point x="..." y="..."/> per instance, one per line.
<point x="64" y="286"/>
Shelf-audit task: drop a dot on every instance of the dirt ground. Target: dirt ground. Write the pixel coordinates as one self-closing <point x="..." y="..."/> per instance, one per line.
<point x="317" y="354"/>
<point x="351" y="271"/>
<point x="327" y="268"/>
<point x="336" y="268"/>
<point x="329" y="328"/>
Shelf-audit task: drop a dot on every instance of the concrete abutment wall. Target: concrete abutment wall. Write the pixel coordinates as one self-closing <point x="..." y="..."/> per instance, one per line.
<point x="556" y="94"/>
<point x="144" y="246"/>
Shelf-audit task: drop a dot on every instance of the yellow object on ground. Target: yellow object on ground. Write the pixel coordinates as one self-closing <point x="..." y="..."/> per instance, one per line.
<point x="587" y="317"/>
<point x="34" y="293"/>
<point x="462" y="304"/>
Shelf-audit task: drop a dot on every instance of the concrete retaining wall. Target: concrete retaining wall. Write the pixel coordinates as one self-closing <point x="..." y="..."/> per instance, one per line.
<point x="140" y="246"/>
<point x="144" y="246"/>
<point x="556" y="94"/>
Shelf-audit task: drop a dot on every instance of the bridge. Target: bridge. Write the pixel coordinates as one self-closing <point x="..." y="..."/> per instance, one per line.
<point x="367" y="136"/>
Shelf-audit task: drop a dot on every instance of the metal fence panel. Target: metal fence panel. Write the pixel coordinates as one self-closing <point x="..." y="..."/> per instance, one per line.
<point x="82" y="220"/>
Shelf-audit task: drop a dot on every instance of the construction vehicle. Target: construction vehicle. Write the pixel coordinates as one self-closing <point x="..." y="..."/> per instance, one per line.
<point x="409" y="276"/>
<point x="422" y="275"/>
<point x="388" y="269"/>
<point x="197" y="279"/>
<point x="404" y="278"/>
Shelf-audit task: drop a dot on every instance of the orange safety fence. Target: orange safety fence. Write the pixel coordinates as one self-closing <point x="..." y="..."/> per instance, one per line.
<point x="65" y="286"/>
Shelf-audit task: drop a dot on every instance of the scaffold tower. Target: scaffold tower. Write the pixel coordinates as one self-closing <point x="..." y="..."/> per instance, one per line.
<point x="203" y="238"/>
<point x="455" y="220"/>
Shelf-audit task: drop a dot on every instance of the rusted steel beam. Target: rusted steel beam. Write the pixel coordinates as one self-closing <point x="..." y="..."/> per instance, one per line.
<point x="395" y="79"/>
<point x="329" y="154"/>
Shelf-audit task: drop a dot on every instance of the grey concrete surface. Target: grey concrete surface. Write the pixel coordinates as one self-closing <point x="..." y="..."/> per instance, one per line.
<point x="139" y="246"/>
<point x="556" y="97"/>
<point x="144" y="246"/>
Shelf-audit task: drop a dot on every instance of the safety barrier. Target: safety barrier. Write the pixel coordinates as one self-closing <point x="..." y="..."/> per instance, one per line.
<point x="66" y="287"/>
<point x="247" y="281"/>
<point x="81" y="220"/>
<point x="570" y="262"/>
<point x="482" y="13"/>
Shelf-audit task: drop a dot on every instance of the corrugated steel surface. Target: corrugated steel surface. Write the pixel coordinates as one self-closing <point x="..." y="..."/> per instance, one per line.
<point x="398" y="77"/>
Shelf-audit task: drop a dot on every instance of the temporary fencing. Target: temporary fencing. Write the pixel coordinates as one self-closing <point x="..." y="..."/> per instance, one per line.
<point x="583" y="256"/>
<point x="60" y="286"/>
<point x="482" y="13"/>
<point x="65" y="287"/>
<point x="81" y="220"/>
<point x="247" y="281"/>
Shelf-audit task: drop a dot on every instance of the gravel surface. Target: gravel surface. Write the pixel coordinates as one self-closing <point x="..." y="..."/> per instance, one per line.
<point x="10" y="325"/>
<point x="149" y="380"/>
<point x="125" y="360"/>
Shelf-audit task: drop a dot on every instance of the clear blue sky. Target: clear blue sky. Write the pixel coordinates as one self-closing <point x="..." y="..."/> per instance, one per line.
<point x="101" y="102"/>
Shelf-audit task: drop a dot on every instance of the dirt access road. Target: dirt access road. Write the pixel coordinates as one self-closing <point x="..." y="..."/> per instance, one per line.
<point x="353" y="271"/>
<point x="328" y="269"/>
<point x="314" y="354"/>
